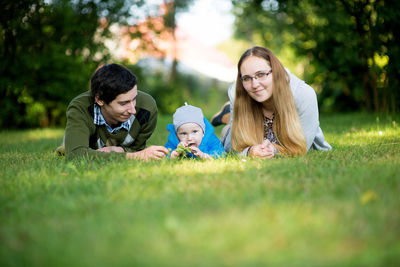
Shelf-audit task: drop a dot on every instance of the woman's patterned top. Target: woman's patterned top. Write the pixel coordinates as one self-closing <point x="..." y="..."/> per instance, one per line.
<point x="268" y="133"/>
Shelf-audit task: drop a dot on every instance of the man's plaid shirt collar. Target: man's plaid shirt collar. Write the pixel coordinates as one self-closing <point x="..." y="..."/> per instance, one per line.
<point x="99" y="120"/>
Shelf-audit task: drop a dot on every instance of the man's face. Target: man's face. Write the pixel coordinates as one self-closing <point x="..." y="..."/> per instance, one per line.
<point x="120" y="109"/>
<point x="190" y="133"/>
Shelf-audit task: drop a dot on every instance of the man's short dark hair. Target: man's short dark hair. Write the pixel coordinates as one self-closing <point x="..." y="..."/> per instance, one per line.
<point x="111" y="80"/>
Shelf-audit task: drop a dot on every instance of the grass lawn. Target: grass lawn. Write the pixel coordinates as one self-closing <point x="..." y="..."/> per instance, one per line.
<point x="338" y="208"/>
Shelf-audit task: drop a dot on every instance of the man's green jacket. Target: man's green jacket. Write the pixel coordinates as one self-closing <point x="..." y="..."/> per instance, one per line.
<point x="83" y="137"/>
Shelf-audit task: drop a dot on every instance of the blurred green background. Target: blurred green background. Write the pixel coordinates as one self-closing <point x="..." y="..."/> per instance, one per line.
<point x="347" y="50"/>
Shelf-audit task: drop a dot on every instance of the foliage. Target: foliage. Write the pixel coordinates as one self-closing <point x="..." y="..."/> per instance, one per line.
<point x="50" y="49"/>
<point x="337" y="208"/>
<point x="193" y="88"/>
<point x="184" y="150"/>
<point x="48" y="52"/>
<point x="350" y="47"/>
<point x="150" y="34"/>
<point x="233" y="48"/>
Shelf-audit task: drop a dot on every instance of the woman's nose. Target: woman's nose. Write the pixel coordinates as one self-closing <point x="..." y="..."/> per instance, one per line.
<point x="255" y="82"/>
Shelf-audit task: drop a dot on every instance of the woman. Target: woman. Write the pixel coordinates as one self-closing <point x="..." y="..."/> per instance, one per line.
<point x="274" y="111"/>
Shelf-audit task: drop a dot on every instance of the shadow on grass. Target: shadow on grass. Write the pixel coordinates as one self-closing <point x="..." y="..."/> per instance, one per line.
<point x="29" y="146"/>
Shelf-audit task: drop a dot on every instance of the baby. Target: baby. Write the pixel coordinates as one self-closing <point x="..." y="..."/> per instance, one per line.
<point x="191" y="131"/>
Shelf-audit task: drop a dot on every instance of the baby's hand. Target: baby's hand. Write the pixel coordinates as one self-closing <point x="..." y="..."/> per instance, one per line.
<point x="182" y="144"/>
<point x="197" y="152"/>
<point x="175" y="154"/>
<point x="181" y="150"/>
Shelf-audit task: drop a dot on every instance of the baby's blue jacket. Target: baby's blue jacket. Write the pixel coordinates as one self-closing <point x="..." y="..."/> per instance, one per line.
<point x="210" y="143"/>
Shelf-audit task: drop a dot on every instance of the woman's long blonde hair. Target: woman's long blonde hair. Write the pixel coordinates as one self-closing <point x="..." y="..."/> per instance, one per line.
<point x="248" y="118"/>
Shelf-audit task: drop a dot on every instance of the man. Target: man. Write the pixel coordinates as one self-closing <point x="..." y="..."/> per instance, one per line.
<point x="112" y="117"/>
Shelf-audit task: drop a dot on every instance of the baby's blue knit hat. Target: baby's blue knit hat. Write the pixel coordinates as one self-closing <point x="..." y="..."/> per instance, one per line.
<point x="186" y="114"/>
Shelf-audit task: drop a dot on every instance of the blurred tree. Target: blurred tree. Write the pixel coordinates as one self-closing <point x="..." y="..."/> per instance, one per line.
<point x="48" y="51"/>
<point x="352" y="47"/>
<point x="153" y="37"/>
<point x="173" y="8"/>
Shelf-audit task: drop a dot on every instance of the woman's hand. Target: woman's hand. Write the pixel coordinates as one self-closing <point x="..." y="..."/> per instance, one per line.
<point x="264" y="150"/>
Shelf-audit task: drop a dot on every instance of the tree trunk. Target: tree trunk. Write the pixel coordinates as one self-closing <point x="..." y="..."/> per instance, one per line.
<point x="374" y="89"/>
<point x="367" y="95"/>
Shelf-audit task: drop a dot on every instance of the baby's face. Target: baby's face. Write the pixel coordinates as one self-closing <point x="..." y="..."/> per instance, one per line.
<point x="190" y="133"/>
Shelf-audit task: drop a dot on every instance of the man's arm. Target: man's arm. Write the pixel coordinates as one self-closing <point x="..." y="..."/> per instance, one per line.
<point x="77" y="134"/>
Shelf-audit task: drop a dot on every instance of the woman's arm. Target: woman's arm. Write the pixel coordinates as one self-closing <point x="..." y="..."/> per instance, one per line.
<point x="307" y="108"/>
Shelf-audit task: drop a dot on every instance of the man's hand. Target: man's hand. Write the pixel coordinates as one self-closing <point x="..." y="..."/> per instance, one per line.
<point x="264" y="150"/>
<point x="152" y="152"/>
<point x="108" y="149"/>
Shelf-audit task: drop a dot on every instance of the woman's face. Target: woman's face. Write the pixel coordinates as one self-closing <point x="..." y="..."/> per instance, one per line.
<point x="256" y="78"/>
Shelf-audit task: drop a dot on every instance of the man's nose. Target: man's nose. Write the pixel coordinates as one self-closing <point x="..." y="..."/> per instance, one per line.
<point x="132" y="109"/>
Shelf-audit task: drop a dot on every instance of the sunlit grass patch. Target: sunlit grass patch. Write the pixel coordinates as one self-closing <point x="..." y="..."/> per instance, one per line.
<point x="387" y="136"/>
<point x="323" y="209"/>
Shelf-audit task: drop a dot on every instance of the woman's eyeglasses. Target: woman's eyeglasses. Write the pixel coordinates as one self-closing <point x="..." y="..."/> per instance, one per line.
<point x="260" y="76"/>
